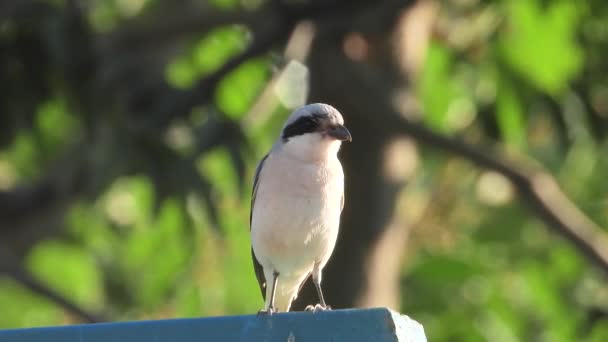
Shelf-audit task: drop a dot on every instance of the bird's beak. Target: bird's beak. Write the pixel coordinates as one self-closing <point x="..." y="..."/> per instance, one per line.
<point x="340" y="132"/>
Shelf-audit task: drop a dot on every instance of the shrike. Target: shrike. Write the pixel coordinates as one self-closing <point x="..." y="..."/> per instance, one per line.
<point x="298" y="195"/>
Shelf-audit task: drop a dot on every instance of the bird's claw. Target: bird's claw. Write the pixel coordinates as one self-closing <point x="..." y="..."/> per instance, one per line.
<point x="317" y="308"/>
<point x="268" y="312"/>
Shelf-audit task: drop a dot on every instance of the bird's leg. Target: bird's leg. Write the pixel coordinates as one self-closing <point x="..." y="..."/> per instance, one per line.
<point x="275" y="278"/>
<point x="271" y="309"/>
<point x="316" y="279"/>
<point x="320" y="293"/>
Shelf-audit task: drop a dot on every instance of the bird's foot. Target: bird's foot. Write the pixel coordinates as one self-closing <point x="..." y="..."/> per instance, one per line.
<point x="267" y="312"/>
<point x="317" y="308"/>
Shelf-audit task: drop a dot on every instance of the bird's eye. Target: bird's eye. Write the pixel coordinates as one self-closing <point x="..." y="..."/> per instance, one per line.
<point x="301" y="126"/>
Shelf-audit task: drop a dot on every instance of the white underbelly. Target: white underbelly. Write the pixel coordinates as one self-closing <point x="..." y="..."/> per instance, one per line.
<point x="292" y="233"/>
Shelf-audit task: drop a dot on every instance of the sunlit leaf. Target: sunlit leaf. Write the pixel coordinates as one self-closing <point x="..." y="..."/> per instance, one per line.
<point x="540" y="42"/>
<point x="188" y="300"/>
<point x="161" y="248"/>
<point x="238" y="90"/>
<point x="224" y="4"/>
<point x="599" y="333"/>
<point x="55" y="124"/>
<point x="22" y="308"/>
<point x="435" y="85"/>
<point x="70" y="270"/>
<point x="447" y="103"/>
<point x="217" y="166"/>
<point x="104" y="15"/>
<point x="208" y="54"/>
<point x="89" y="227"/>
<point x="181" y="73"/>
<point x="510" y="115"/>
<point x="218" y="45"/>
<point x="23" y="154"/>
<point x="439" y="270"/>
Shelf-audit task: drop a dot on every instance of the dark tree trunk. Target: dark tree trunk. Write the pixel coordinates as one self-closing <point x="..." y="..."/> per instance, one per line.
<point x="355" y="63"/>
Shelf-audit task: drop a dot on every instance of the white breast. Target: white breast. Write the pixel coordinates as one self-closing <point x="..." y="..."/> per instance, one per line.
<point x="297" y="212"/>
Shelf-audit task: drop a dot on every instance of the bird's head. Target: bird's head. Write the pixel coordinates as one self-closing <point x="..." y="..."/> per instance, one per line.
<point x="314" y="132"/>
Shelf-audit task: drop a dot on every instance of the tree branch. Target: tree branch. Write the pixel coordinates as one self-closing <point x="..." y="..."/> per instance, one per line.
<point x="22" y="201"/>
<point x="537" y="187"/>
<point x="23" y="277"/>
<point x="534" y="185"/>
<point x="270" y="26"/>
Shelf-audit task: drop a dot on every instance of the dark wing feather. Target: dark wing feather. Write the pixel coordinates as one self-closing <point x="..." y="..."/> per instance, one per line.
<point x="259" y="270"/>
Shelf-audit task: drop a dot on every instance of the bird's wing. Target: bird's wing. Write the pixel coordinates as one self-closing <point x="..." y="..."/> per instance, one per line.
<point x="259" y="270"/>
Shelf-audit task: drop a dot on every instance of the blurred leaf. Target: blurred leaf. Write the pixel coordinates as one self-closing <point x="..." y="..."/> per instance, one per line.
<point x="239" y="166"/>
<point x="208" y="54"/>
<point x="549" y="306"/>
<point x="502" y="225"/>
<point x="159" y="247"/>
<point x="218" y="45"/>
<point x="217" y="166"/>
<point x="129" y="8"/>
<point x="238" y="90"/>
<point x="540" y="42"/>
<point x="23" y="309"/>
<point x="55" y="124"/>
<point x="500" y="321"/>
<point x="181" y="73"/>
<point x="440" y="270"/>
<point x="225" y="4"/>
<point x="436" y="86"/>
<point x="188" y="300"/>
<point x="599" y="333"/>
<point x="68" y="269"/>
<point x="243" y="294"/>
<point x="89" y="227"/>
<point x="23" y="154"/>
<point x="445" y="92"/>
<point x="104" y="15"/>
<point x="510" y="115"/>
<point x="579" y="166"/>
<point x="566" y="263"/>
<point x="138" y="193"/>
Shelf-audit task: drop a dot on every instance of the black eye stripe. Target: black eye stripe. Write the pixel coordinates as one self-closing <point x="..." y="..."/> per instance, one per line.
<point x="303" y="125"/>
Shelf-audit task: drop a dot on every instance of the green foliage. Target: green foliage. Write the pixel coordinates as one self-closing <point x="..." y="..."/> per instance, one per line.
<point x="510" y="115"/>
<point x="530" y="76"/>
<point x="23" y="309"/>
<point x="440" y="93"/>
<point x="238" y="90"/>
<point x="23" y="155"/>
<point x="497" y="273"/>
<point x="70" y="270"/>
<point x="539" y="42"/>
<point x="207" y="55"/>
<point x="54" y="124"/>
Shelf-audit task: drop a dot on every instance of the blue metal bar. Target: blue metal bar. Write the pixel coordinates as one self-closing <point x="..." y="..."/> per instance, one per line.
<point x="379" y="325"/>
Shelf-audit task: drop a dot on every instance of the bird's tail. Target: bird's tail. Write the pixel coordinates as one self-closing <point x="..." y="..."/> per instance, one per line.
<point x="286" y="292"/>
<point x="283" y="302"/>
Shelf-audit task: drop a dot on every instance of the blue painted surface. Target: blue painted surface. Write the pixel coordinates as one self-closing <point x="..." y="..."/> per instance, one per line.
<point x="381" y="325"/>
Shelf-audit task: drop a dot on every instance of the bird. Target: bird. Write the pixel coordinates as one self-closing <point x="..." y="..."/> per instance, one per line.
<point x="297" y="199"/>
